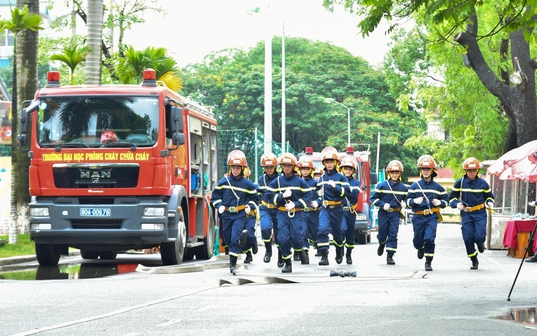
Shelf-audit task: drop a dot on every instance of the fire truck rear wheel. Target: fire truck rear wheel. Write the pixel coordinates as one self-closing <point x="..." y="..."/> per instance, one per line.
<point x="89" y="254"/>
<point x="47" y="254"/>
<point x="172" y="252"/>
<point x="108" y="255"/>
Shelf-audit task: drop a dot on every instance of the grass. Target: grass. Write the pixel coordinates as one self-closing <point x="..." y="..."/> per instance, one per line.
<point x="24" y="246"/>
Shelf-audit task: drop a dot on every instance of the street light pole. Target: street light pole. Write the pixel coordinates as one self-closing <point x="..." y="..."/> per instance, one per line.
<point x="333" y="101"/>
<point x="283" y="87"/>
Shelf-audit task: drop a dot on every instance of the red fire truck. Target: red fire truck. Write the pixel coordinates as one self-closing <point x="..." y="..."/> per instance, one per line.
<point x="119" y="167"/>
<point x="367" y="179"/>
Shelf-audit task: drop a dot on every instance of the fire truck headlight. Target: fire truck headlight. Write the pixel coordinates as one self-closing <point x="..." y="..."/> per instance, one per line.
<point x="39" y="212"/>
<point x="153" y="212"/>
<point x="152" y="226"/>
<point x="40" y="226"/>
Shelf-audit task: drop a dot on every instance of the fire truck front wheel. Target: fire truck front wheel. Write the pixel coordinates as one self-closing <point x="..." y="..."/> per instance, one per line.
<point x="47" y="254"/>
<point x="172" y="252"/>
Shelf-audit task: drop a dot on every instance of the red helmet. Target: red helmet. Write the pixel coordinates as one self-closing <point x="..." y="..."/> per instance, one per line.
<point x="288" y="158"/>
<point x="394" y="165"/>
<point x="471" y="163"/>
<point x="426" y="161"/>
<point x="269" y="160"/>
<point x="305" y="162"/>
<point x="348" y="162"/>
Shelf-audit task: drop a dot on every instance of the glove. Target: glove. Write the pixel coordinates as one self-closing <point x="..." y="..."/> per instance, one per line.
<point x="531" y="204"/>
<point x="490" y="205"/>
<point x="460" y="206"/>
<point x="290" y="206"/>
<point x="287" y="193"/>
<point x="247" y="209"/>
<point x="386" y="206"/>
<point x="418" y="200"/>
<point x="403" y="205"/>
<point x="332" y="183"/>
<point x="436" y="202"/>
<point x="314" y="204"/>
<point x="320" y="192"/>
<point x="221" y="209"/>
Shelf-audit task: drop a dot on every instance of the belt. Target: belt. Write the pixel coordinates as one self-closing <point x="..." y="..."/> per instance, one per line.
<point x="349" y="208"/>
<point x="326" y="203"/>
<point x="293" y="209"/>
<point x="252" y="213"/>
<point x="393" y="210"/>
<point x="268" y="205"/>
<point x="427" y="211"/>
<point x="236" y="209"/>
<point x="311" y="209"/>
<point x="332" y="206"/>
<point x="475" y="208"/>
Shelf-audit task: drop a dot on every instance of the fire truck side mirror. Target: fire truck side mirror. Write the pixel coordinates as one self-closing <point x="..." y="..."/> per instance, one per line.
<point x="24" y="120"/>
<point x="374" y="179"/>
<point x="176" y="120"/>
<point x="178" y="139"/>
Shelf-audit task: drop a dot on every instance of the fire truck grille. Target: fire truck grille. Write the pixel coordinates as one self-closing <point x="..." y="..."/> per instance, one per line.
<point x="101" y="177"/>
<point x="96" y="224"/>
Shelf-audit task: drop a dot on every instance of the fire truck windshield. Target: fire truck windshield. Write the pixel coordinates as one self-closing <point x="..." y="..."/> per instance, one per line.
<point x="91" y="121"/>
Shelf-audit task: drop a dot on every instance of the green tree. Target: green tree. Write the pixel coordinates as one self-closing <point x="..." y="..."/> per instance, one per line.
<point x="72" y="56"/>
<point x="233" y="82"/>
<point x="490" y="35"/>
<point x="22" y="21"/>
<point x="130" y="68"/>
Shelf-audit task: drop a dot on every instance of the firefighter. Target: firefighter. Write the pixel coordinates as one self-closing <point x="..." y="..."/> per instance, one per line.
<point x="251" y="219"/>
<point x="473" y="197"/>
<point x="317" y="173"/>
<point x="389" y="196"/>
<point x="291" y="195"/>
<point x="334" y="186"/>
<point x="234" y="197"/>
<point x="426" y="197"/>
<point x="311" y="227"/>
<point x="348" y="168"/>
<point x="268" y="211"/>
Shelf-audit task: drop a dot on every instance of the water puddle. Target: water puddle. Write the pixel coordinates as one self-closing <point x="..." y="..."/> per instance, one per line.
<point x="70" y="272"/>
<point x="523" y="315"/>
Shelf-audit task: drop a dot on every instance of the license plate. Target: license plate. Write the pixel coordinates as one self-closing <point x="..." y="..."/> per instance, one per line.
<point x="95" y="212"/>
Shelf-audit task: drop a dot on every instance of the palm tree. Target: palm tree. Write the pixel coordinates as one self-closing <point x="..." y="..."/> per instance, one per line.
<point x="72" y="56"/>
<point x="130" y="68"/>
<point x="21" y="20"/>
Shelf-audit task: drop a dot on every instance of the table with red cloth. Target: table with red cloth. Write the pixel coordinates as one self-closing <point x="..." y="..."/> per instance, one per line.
<point x="515" y="226"/>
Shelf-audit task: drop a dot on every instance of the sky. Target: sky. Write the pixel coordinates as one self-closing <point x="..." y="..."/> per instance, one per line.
<point x="191" y="29"/>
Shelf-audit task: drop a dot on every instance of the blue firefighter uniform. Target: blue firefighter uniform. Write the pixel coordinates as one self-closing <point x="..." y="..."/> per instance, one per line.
<point x="331" y="216"/>
<point x="394" y="194"/>
<point x="268" y="212"/>
<point x="474" y="194"/>
<point x="234" y="193"/>
<point x="311" y="227"/>
<point x="349" y="214"/>
<point x="251" y="243"/>
<point x="289" y="222"/>
<point x="426" y="215"/>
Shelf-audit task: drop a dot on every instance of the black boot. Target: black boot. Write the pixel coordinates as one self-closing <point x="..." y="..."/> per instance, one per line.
<point x="428" y="261"/>
<point x="232" y="263"/>
<point x="243" y="238"/>
<point x="268" y="252"/>
<point x="348" y="256"/>
<point x="317" y="253"/>
<point x="475" y="263"/>
<point x="304" y="257"/>
<point x="255" y="248"/>
<point x="481" y="248"/>
<point x="296" y="256"/>
<point x="324" y="258"/>
<point x="288" y="266"/>
<point x="389" y="259"/>
<point x="420" y="254"/>
<point x="280" y="259"/>
<point x="339" y="254"/>
<point x="380" y="249"/>
<point x="532" y="259"/>
<point x="249" y="258"/>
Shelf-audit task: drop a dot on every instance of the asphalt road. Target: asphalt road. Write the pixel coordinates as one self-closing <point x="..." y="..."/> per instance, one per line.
<point x="205" y="299"/>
